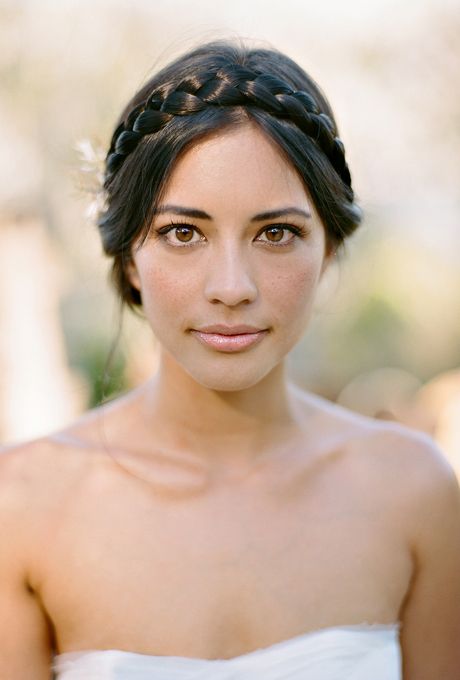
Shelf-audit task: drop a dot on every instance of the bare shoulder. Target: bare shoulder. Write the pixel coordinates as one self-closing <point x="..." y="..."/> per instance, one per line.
<point x="35" y="477"/>
<point x="406" y="464"/>
<point x="418" y="466"/>
<point x="38" y="464"/>
<point x="30" y="476"/>
<point x="388" y="443"/>
<point x="428" y="486"/>
<point x="42" y="470"/>
<point x="411" y="450"/>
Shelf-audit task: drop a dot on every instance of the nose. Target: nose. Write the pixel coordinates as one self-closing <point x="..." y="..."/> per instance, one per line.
<point x="228" y="279"/>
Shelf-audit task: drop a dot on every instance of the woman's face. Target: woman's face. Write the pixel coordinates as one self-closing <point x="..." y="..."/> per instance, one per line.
<point x="236" y="241"/>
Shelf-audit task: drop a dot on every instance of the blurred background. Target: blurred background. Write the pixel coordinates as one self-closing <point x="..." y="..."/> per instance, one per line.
<point x="385" y="337"/>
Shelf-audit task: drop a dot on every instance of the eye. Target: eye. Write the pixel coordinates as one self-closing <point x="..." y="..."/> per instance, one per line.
<point x="180" y="235"/>
<point x="275" y="234"/>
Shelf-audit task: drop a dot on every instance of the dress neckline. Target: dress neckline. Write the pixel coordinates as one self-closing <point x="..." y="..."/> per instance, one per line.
<point x="358" y="628"/>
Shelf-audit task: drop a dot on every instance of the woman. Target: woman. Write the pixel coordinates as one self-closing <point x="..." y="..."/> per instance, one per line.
<point x="218" y="521"/>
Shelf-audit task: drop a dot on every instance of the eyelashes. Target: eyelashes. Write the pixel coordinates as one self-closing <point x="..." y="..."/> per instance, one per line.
<point x="186" y="229"/>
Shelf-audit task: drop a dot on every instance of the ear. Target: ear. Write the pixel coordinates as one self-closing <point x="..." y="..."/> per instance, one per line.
<point x="133" y="275"/>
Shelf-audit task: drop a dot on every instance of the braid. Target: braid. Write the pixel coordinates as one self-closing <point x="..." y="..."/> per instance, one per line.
<point x="230" y="85"/>
<point x="216" y="86"/>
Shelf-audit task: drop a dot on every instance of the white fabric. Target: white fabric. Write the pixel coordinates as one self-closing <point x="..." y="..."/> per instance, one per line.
<point x="356" y="652"/>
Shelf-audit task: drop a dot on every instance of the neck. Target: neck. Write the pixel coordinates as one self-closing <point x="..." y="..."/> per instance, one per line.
<point x="228" y="427"/>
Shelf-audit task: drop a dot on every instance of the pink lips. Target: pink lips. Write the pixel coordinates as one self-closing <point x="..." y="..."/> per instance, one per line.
<point x="229" y="338"/>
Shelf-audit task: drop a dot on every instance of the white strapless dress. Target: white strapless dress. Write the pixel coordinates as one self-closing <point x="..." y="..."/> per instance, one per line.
<point x="355" y="652"/>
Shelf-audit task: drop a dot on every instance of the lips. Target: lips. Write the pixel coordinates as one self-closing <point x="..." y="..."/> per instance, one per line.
<point x="221" y="329"/>
<point x="229" y="338"/>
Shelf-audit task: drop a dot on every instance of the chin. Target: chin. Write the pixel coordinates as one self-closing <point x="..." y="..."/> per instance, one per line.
<point x="230" y="378"/>
<point x="228" y="371"/>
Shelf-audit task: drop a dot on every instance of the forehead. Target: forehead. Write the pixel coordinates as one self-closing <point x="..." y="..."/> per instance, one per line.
<point x="240" y="166"/>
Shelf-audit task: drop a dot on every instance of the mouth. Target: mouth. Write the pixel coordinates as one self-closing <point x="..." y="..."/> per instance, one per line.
<point x="230" y="342"/>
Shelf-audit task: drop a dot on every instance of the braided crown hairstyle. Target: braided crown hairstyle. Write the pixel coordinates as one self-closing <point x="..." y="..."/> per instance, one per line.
<point x="217" y="86"/>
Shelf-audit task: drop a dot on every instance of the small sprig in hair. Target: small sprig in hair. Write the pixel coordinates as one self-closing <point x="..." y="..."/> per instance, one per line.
<point x="92" y="168"/>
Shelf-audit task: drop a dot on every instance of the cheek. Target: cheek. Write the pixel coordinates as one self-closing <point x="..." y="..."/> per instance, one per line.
<point x="292" y="289"/>
<point x="166" y="289"/>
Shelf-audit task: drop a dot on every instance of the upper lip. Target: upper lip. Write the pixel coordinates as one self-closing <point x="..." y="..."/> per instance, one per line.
<point x="229" y="330"/>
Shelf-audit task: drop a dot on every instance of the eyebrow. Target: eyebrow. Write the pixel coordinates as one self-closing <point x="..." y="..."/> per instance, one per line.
<point x="202" y="215"/>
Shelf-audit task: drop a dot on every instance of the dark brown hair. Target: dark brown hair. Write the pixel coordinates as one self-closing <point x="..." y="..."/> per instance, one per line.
<point x="216" y="86"/>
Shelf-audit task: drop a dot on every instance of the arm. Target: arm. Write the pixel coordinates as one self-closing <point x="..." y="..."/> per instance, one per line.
<point x="430" y="633"/>
<point x="25" y="644"/>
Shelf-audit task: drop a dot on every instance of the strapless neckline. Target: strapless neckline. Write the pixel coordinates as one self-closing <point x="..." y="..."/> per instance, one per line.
<point x="359" y="628"/>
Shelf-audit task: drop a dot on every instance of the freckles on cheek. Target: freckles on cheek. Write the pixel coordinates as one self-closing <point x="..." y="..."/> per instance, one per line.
<point x="293" y="287"/>
<point x="166" y="288"/>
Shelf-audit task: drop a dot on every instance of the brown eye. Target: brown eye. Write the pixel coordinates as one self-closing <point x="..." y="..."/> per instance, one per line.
<point x="275" y="234"/>
<point x="184" y="234"/>
<point x="180" y="235"/>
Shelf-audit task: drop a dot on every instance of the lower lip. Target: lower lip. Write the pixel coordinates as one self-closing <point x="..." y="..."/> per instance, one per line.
<point x="229" y="343"/>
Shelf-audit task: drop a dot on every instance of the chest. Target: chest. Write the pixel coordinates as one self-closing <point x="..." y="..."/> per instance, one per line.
<point x="251" y="566"/>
